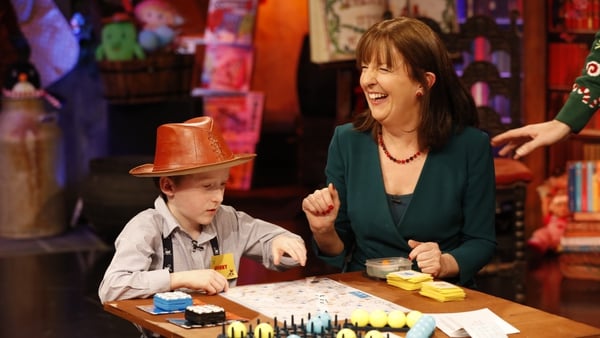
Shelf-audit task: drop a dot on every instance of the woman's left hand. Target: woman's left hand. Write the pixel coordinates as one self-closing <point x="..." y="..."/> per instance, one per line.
<point x="431" y="260"/>
<point x="428" y="256"/>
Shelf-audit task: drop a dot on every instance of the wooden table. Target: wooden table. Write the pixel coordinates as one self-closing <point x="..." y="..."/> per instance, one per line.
<point x="530" y="321"/>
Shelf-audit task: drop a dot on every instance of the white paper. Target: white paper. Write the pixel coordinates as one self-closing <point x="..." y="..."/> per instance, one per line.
<point x="481" y="323"/>
<point x="480" y="329"/>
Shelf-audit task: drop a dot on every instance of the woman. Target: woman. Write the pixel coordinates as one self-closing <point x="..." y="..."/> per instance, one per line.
<point x="412" y="176"/>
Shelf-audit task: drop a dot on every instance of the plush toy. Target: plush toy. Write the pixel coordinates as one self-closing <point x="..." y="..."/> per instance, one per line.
<point x="159" y="20"/>
<point x="556" y="217"/>
<point x="22" y="78"/>
<point x="119" y="41"/>
<point x="23" y="82"/>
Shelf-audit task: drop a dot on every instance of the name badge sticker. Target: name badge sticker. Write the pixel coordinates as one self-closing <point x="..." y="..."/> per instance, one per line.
<point x="224" y="265"/>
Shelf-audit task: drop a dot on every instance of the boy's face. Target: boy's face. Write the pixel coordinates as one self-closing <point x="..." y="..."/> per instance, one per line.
<point x="194" y="199"/>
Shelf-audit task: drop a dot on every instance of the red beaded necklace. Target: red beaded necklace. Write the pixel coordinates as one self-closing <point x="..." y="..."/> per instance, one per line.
<point x="392" y="158"/>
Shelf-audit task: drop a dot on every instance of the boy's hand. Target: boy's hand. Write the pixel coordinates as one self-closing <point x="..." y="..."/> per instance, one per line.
<point x="292" y="246"/>
<point x="208" y="280"/>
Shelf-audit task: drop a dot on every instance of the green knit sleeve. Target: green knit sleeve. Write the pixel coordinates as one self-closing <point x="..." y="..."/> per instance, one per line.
<point x="584" y="99"/>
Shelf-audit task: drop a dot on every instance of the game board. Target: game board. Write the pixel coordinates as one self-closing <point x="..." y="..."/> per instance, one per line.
<point x="284" y="300"/>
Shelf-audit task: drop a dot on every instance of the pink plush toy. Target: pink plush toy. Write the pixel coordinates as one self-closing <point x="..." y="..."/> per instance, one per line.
<point x="159" y="21"/>
<point x="548" y="237"/>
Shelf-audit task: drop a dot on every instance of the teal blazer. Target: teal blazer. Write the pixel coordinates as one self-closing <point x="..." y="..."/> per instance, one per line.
<point x="453" y="203"/>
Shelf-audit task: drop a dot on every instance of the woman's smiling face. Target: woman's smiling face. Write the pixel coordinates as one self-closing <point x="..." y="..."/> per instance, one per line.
<point x="388" y="88"/>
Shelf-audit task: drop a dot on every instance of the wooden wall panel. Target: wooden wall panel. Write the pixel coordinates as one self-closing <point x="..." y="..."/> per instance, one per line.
<point x="534" y="99"/>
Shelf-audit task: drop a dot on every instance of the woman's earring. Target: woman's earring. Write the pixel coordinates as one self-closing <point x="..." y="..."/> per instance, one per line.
<point x="419" y="93"/>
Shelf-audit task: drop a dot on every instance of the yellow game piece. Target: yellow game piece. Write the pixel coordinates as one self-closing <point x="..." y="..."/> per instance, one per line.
<point x="378" y="318"/>
<point x="345" y="333"/>
<point x="412" y="317"/>
<point x="374" y="334"/>
<point x="359" y="317"/>
<point x="236" y="329"/>
<point x="396" y="319"/>
<point x="263" y="330"/>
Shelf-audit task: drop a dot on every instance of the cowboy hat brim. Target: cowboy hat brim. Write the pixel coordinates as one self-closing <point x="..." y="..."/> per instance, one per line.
<point x="147" y="170"/>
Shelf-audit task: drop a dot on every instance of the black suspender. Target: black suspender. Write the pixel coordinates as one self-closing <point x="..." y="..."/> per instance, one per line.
<point x="214" y="243"/>
<point x="168" y="253"/>
<point x="168" y="250"/>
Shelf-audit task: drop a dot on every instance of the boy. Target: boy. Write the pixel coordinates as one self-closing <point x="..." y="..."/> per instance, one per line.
<point x="189" y="240"/>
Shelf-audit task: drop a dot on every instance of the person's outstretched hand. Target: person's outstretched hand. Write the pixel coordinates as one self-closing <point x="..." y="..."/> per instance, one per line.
<point x="524" y="140"/>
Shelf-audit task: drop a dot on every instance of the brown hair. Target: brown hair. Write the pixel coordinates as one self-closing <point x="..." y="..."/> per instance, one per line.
<point x="447" y="106"/>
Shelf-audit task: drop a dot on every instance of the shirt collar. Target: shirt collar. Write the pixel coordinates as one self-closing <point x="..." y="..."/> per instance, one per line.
<point x="209" y="231"/>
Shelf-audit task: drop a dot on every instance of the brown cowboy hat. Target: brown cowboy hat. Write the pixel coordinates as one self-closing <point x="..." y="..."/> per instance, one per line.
<point x="191" y="147"/>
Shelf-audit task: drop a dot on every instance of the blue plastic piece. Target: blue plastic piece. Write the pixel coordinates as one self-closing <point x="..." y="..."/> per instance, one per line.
<point x="423" y="328"/>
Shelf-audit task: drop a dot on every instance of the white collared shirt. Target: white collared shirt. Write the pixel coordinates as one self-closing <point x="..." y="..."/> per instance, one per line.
<point x="136" y="270"/>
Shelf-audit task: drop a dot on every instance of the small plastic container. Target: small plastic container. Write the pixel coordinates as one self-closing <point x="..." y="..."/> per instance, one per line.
<point x="205" y="314"/>
<point x="380" y="267"/>
<point x="172" y="301"/>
